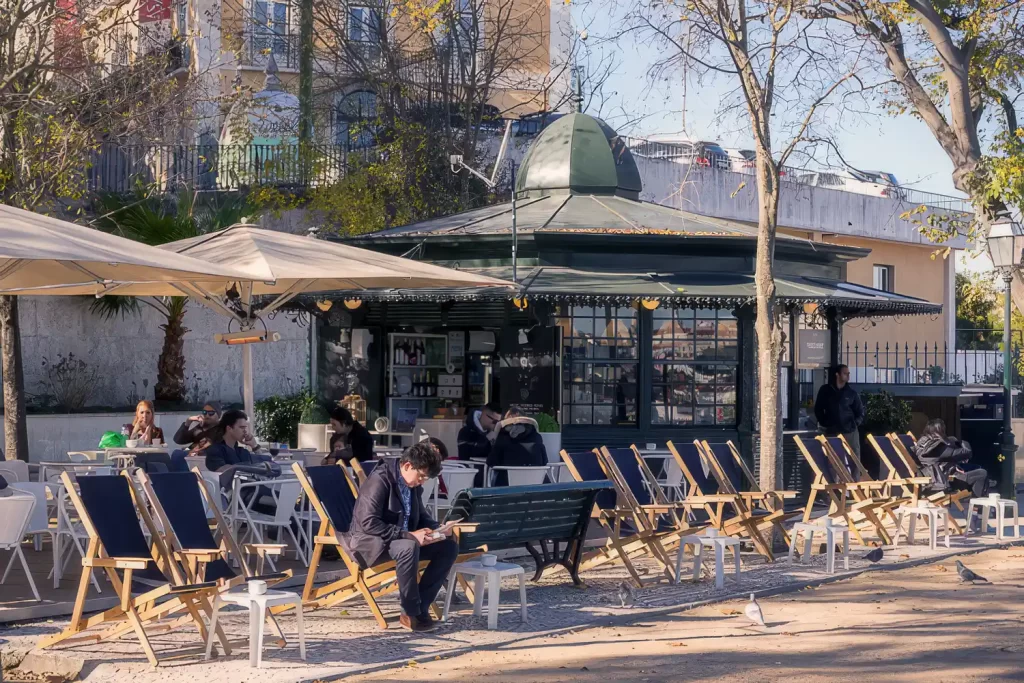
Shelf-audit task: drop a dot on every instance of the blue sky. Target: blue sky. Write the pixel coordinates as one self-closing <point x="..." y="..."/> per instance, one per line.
<point x="900" y="145"/>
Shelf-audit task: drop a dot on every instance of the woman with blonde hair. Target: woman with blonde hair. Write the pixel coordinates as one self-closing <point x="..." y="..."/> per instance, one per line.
<point x="142" y="428"/>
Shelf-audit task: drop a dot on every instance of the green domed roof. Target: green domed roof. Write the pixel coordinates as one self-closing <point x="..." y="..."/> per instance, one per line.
<point x="579" y="154"/>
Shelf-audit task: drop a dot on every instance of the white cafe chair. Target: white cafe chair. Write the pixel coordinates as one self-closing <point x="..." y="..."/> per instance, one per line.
<point x="522" y="475"/>
<point x="15" y="514"/>
<point x="455" y="478"/>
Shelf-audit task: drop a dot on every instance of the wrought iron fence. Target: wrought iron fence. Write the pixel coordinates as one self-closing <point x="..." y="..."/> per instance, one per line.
<point x="919" y="363"/>
<point x="119" y="169"/>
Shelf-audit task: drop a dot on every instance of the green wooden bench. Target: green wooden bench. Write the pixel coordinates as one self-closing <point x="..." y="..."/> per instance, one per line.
<point x="528" y="516"/>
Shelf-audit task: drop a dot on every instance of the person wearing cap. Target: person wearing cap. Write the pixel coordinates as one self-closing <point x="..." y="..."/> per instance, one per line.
<point x="197" y="432"/>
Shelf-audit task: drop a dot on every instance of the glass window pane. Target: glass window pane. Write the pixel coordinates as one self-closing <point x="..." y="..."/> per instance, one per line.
<point x="726" y="415"/>
<point x="704" y="416"/>
<point x="727" y="329"/>
<point x="728" y="350"/>
<point x="581" y="415"/>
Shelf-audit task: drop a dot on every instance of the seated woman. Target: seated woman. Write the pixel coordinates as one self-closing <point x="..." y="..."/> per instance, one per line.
<point x="945" y="460"/>
<point x="350" y="440"/>
<point x="518" y="444"/>
<point x="142" y="428"/>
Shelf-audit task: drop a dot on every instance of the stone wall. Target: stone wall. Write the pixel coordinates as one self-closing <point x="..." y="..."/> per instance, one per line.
<point x="125" y="352"/>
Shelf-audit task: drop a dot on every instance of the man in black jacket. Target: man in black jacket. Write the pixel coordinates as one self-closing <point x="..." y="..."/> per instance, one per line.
<point x="477" y="436"/>
<point x="389" y="522"/>
<point x="838" y="408"/>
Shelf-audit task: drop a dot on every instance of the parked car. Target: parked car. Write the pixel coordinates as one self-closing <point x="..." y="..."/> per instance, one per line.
<point x="876" y="183"/>
<point x="683" y="151"/>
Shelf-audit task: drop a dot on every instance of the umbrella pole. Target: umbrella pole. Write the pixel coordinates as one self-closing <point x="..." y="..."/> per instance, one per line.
<point x="247" y="391"/>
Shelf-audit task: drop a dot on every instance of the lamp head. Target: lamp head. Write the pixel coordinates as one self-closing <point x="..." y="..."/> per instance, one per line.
<point x="1005" y="243"/>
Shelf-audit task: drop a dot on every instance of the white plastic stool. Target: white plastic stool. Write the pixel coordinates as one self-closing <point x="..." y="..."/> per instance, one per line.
<point x="257" y="605"/>
<point x="719" y="543"/>
<point x="830" y="530"/>
<point x="923" y="509"/>
<point x="494" y="576"/>
<point x="1000" y="506"/>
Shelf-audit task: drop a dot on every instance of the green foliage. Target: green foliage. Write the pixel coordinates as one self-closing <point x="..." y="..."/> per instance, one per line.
<point x="546" y="423"/>
<point x="884" y="413"/>
<point x="278" y="417"/>
<point x="976" y="311"/>
<point x="314" y="413"/>
<point x="407" y="179"/>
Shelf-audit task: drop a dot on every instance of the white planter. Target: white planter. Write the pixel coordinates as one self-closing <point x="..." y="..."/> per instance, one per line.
<point x="314" y="436"/>
<point x="552" y="444"/>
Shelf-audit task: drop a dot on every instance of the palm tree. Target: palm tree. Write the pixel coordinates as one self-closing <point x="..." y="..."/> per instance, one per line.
<point x="155" y="222"/>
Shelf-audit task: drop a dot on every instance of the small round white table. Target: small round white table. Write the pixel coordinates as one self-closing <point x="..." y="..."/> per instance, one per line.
<point x="257" y="606"/>
<point x="1002" y="506"/>
<point x="493" y="575"/>
<point x="719" y="543"/>
<point x="932" y="512"/>
<point x="830" y="529"/>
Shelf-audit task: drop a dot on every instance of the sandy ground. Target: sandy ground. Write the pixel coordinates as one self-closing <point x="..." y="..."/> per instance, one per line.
<point x="916" y="624"/>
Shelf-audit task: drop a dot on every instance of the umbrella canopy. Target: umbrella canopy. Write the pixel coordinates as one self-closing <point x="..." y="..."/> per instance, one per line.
<point x="43" y="255"/>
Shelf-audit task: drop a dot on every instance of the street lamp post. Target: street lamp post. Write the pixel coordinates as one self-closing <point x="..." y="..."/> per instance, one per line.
<point x="1005" y="245"/>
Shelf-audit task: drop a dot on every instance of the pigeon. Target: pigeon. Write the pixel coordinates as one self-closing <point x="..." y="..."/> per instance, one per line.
<point x="874" y="555"/>
<point x="626" y="595"/>
<point x="753" y="611"/>
<point x="967" y="575"/>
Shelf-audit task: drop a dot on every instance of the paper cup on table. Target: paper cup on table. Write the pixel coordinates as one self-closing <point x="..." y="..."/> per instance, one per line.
<point x="488" y="560"/>
<point x="158" y="442"/>
<point x="257" y="587"/>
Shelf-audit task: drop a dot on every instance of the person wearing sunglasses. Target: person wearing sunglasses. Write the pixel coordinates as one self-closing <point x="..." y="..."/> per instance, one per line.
<point x="196" y="433"/>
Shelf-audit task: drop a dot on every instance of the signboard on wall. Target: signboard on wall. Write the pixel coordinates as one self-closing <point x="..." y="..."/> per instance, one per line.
<point x="813" y="349"/>
<point x="527" y="369"/>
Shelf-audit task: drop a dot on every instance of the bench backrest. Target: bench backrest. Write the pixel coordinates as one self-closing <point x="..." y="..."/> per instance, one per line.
<point x="509" y="516"/>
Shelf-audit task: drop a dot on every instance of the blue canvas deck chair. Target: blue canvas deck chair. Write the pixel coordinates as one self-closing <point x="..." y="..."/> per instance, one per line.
<point x="624" y="539"/>
<point x="180" y="501"/>
<point x="331" y="491"/>
<point x="363" y="469"/>
<point x="109" y="509"/>
<point x="852" y="502"/>
<point x="905" y="445"/>
<point x="733" y="476"/>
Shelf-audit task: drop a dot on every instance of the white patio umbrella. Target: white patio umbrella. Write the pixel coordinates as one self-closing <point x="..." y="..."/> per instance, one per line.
<point x="281" y="266"/>
<point x="43" y="255"/>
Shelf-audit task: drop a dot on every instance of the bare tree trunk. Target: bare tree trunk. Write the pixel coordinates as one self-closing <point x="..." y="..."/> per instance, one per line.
<point x="15" y="427"/>
<point x="769" y="332"/>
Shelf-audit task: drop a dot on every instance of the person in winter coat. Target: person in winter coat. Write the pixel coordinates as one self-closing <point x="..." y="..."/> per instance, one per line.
<point x="390" y="522"/>
<point x="518" y="444"/>
<point x="944" y="459"/>
<point x="477" y="435"/>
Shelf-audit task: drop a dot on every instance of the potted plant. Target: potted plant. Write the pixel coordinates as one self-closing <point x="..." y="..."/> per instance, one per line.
<point x="314" y="424"/>
<point x="551" y="433"/>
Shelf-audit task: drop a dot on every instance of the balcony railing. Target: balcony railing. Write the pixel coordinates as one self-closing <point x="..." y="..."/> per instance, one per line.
<point x="166" y="168"/>
<point x="257" y="46"/>
<point x="654" y="149"/>
<point x="917" y="363"/>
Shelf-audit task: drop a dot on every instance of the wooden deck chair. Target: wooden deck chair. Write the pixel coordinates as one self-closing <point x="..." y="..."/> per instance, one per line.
<point x="904" y="445"/>
<point x="363" y="470"/>
<point x="845" y="454"/>
<point x="691" y="460"/>
<point x="645" y="516"/>
<point x="109" y="509"/>
<point x="898" y="474"/>
<point x="333" y="499"/>
<point x="848" y="500"/>
<point x="177" y="499"/>
<point x="729" y="470"/>
<point x="623" y="539"/>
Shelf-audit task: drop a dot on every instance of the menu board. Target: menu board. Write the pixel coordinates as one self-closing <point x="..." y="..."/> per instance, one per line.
<point x="528" y="369"/>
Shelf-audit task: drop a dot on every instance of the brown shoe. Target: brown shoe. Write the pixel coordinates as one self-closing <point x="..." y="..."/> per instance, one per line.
<point x="416" y="623"/>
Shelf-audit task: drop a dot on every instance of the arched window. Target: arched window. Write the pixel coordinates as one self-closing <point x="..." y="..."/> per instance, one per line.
<point x="355" y="120"/>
